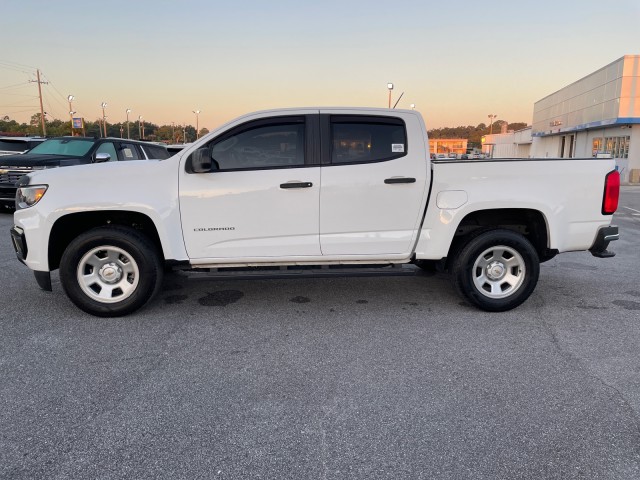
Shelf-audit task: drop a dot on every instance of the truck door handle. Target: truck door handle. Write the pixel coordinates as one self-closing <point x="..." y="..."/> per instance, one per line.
<point x="296" y="185"/>
<point x="400" y="180"/>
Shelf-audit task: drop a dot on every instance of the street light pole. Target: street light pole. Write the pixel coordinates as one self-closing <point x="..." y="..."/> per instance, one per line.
<point x="128" y="133"/>
<point x="71" y="112"/>
<point x="491" y="117"/>
<point x="141" y="127"/>
<point x="104" y="118"/>
<point x="390" y="87"/>
<point x="197" y="112"/>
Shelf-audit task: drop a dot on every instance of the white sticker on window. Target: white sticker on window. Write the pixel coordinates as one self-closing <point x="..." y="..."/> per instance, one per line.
<point x="128" y="153"/>
<point x="397" y="147"/>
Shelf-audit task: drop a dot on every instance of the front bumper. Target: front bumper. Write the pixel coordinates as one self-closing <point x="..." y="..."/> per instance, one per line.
<point x="19" y="243"/>
<point x="604" y="236"/>
<point x="20" y="246"/>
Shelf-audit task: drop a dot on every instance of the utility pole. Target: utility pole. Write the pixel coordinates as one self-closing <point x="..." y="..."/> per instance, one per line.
<point x="44" y="126"/>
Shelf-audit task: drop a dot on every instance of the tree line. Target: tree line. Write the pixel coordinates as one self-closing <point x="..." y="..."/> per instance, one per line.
<point x="184" y="134"/>
<point x="58" y="128"/>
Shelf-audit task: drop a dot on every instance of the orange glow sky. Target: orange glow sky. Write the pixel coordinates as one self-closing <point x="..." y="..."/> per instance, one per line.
<point x="458" y="61"/>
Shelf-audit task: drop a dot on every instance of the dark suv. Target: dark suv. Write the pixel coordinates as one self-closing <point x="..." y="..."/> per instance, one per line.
<point x="67" y="151"/>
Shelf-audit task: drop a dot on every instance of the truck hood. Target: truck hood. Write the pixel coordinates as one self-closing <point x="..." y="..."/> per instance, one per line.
<point x="97" y="175"/>
<point x="138" y="185"/>
<point x="39" y="161"/>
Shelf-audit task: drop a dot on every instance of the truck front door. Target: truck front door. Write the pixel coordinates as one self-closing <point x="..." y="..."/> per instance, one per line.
<point x="260" y="198"/>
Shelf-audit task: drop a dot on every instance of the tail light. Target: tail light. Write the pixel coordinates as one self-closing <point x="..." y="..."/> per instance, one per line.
<point x="611" y="193"/>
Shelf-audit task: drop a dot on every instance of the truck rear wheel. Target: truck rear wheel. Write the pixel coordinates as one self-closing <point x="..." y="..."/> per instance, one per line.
<point x="110" y="271"/>
<point x="497" y="270"/>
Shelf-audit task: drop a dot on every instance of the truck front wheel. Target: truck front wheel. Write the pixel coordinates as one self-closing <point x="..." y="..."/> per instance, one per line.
<point x="497" y="270"/>
<point x="110" y="271"/>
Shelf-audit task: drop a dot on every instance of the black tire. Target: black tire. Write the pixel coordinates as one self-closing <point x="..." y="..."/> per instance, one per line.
<point x="121" y="271"/>
<point x="496" y="270"/>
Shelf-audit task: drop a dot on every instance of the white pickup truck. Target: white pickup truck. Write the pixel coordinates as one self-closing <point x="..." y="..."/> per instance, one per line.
<point x="316" y="186"/>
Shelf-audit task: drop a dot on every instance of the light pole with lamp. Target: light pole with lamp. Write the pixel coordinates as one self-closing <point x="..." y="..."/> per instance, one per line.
<point x="71" y="112"/>
<point x="491" y="117"/>
<point x="197" y="112"/>
<point x="128" y="111"/>
<point x="104" y="118"/>
<point x="390" y="87"/>
<point x="141" y="127"/>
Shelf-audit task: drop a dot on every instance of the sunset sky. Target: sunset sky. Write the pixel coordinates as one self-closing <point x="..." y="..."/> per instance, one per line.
<point x="457" y="61"/>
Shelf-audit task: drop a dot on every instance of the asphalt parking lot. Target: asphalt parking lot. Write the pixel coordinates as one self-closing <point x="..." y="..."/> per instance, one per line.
<point x="374" y="377"/>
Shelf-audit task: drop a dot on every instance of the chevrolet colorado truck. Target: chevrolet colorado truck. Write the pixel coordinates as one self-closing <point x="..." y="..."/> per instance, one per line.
<point x="315" y="186"/>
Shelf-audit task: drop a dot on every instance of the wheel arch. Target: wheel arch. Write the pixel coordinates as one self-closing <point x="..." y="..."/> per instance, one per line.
<point x="69" y="226"/>
<point x="530" y="223"/>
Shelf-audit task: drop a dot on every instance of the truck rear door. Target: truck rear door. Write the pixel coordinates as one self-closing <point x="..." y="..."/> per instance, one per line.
<point x="374" y="182"/>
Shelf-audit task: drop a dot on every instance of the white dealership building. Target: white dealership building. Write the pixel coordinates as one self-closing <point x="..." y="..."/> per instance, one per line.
<point x="598" y="115"/>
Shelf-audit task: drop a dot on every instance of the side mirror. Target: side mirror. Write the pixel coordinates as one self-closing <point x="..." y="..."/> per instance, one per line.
<point x="200" y="161"/>
<point x="102" y="157"/>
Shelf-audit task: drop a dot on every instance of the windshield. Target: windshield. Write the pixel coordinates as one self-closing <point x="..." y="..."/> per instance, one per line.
<point x="70" y="147"/>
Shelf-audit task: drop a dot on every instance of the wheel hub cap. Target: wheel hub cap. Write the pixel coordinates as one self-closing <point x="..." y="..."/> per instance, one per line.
<point x="495" y="270"/>
<point x="110" y="273"/>
<point x="499" y="272"/>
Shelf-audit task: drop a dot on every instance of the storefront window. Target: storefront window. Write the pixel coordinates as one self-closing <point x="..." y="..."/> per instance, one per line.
<point x="617" y="147"/>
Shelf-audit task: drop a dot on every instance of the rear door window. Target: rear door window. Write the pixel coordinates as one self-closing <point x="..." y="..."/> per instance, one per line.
<point x="363" y="139"/>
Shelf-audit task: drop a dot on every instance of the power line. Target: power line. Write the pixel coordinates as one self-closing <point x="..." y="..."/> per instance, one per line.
<point x="16" y="85"/>
<point x="18" y="95"/>
<point x="17" y="66"/>
<point x="22" y="111"/>
<point x="63" y="101"/>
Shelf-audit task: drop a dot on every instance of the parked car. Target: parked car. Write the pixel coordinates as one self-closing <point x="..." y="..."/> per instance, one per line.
<point x="68" y="151"/>
<point x="15" y="145"/>
<point x="311" y="198"/>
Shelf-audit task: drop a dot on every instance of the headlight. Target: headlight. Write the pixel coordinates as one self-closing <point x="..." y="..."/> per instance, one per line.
<point x="28" y="196"/>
